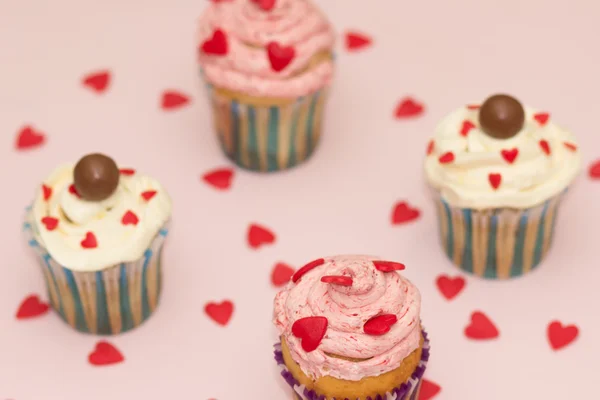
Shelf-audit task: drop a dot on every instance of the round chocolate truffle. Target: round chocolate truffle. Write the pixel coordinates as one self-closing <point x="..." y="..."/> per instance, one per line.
<point x="501" y="116"/>
<point x="96" y="177"/>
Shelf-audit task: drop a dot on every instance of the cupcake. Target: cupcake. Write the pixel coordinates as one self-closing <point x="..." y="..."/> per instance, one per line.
<point x="98" y="233"/>
<point x="268" y="65"/>
<point x="499" y="172"/>
<point x="350" y="329"/>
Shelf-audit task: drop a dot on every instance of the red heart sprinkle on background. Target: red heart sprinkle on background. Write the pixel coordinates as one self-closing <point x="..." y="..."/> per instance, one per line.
<point x="216" y="45"/>
<point x="339" y="280"/>
<point x="594" y="170"/>
<point x="545" y="146"/>
<point x="46" y="192"/>
<point x="280" y="56"/>
<point x="310" y="331"/>
<point x="90" y="241"/>
<point x="450" y="287"/>
<point x="428" y="390"/>
<point x="560" y="335"/>
<point x="97" y="81"/>
<point x="388" y="266"/>
<point x="430" y="147"/>
<point x="510" y="155"/>
<point x="265" y="5"/>
<point x="219" y="178"/>
<point x="357" y="41"/>
<point x="408" y="108"/>
<point x="308" y="267"/>
<point x="105" y="354"/>
<point x="466" y="127"/>
<point x="473" y="106"/>
<point x="28" y="138"/>
<point x="127" y="171"/>
<point x="446" y="158"/>
<point x="380" y="325"/>
<point x="403" y="212"/>
<point x="220" y="312"/>
<point x="495" y="180"/>
<point x="172" y="100"/>
<point x="50" y="222"/>
<point x="570" y="146"/>
<point x="481" y="327"/>
<point x="73" y="190"/>
<point x="32" y="307"/>
<point x="542" y="118"/>
<point x="258" y="236"/>
<point x="148" y="195"/>
<point x="281" y="274"/>
<point x="129" y="218"/>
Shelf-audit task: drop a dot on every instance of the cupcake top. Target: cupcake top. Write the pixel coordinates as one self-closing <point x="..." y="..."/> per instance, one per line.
<point x="94" y="215"/>
<point x="266" y="48"/>
<point x="349" y="317"/>
<point x="500" y="154"/>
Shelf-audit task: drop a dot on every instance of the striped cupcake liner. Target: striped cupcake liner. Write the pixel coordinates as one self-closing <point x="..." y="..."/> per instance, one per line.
<point x="497" y="243"/>
<point x="268" y="138"/>
<point x="409" y="390"/>
<point x="105" y="302"/>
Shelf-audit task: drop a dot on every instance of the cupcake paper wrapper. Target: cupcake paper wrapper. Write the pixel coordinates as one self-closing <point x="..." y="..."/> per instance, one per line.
<point x="268" y="137"/>
<point x="497" y="243"/>
<point x="407" y="391"/>
<point x="106" y="302"/>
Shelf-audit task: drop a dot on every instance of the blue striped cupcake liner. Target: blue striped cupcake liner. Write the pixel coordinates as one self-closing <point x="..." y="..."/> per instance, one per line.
<point x="497" y="243"/>
<point x="268" y="138"/>
<point x="107" y="302"/>
<point x="408" y="390"/>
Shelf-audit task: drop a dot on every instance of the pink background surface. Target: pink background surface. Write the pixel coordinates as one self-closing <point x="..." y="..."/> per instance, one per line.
<point x="444" y="54"/>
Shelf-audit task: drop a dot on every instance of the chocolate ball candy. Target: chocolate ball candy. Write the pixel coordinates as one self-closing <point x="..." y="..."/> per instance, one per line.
<point x="501" y="116"/>
<point x="96" y="177"/>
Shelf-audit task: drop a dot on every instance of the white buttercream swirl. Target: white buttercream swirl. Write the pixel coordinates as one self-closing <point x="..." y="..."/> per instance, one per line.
<point x="531" y="178"/>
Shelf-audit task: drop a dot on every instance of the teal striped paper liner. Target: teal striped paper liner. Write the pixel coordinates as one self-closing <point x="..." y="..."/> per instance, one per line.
<point x="106" y="302"/>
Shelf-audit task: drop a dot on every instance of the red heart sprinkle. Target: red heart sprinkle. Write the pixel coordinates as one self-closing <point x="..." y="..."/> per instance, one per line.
<point x="408" y="108"/>
<point x="473" y="106"/>
<point x="280" y="56"/>
<point x="73" y="190"/>
<point x="466" y="127"/>
<point x="172" y="100"/>
<point x="310" y="331"/>
<point x="495" y="180"/>
<point x="282" y="273"/>
<point x="47" y="192"/>
<point x="357" y="41"/>
<point x="127" y="171"/>
<point x="97" y="81"/>
<point x="105" y="354"/>
<point x="450" y="287"/>
<point x="90" y="241"/>
<point x="510" y="155"/>
<point x="403" y="212"/>
<point x="430" y="147"/>
<point x="545" y="146"/>
<point x="308" y="267"/>
<point x="380" y="325"/>
<point x="219" y="178"/>
<point x="216" y="45"/>
<point x="129" y="218"/>
<point x="481" y="327"/>
<point x="220" y="312"/>
<point x="265" y="5"/>
<point x="50" y="222"/>
<point x="570" y="146"/>
<point x="447" y="158"/>
<point x="148" y="195"/>
<point x="428" y="390"/>
<point x="542" y="118"/>
<point x="337" y="280"/>
<point x="594" y="170"/>
<point x="32" y="307"/>
<point x="258" y="236"/>
<point x="560" y="335"/>
<point x="388" y="266"/>
<point x="29" y="138"/>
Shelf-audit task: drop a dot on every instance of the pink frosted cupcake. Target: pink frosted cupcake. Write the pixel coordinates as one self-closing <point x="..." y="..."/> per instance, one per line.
<point x="267" y="65"/>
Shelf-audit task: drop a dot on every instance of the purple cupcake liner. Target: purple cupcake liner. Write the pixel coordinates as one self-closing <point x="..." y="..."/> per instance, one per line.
<point x="407" y="391"/>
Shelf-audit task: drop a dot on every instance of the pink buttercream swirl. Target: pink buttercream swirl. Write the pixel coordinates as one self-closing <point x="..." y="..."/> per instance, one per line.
<point x="347" y="309"/>
<point x="249" y="29"/>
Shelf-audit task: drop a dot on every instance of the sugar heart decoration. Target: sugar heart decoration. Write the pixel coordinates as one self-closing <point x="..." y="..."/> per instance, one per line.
<point x="545" y="146"/>
<point x="388" y="266"/>
<point x="306" y="268"/>
<point x="127" y="171"/>
<point x="357" y="41"/>
<point x="408" y="108"/>
<point x="403" y="212"/>
<point x="148" y="195"/>
<point x="310" y="331"/>
<point x="73" y="190"/>
<point x="481" y="327"/>
<point x="32" y="307"/>
<point x="97" y="81"/>
<point x="219" y="178"/>
<point x="339" y="280"/>
<point x="265" y="5"/>
<point x="473" y="107"/>
<point x="89" y="242"/>
<point x="105" y="354"/>
<point x="446" y="158"/>
<point x="280" y="56"/>
<point x="450" y="287"/>
<point x="430" y="147"/>
<point x="129" y="218"/>
<point x="495" y="180"/>
<point x="594" y="170"/>
<point x="542" y="118"/>
<point x="281" y="274"/>
<point x="46" y="192"/>
<point x="258" y="236"/>
<point x="220" y="312"/>
<point x="172" y="100"/>
<point x="428" y="390"/>
<point x="50" y="223"/>
<point x="466" y="127"/>
<point x="380" y="325"/>
<point x="216" y="45"/>
<point x="570" y="146"/>
<point x="560" y="335"/>
<point x="29" y="138"/>
<point x="510" y="154"/>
